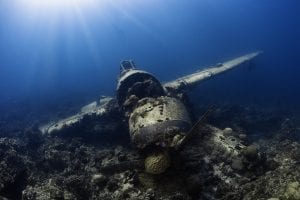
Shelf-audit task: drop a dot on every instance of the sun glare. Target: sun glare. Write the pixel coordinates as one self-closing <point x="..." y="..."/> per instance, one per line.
<point x="56" y="3"/>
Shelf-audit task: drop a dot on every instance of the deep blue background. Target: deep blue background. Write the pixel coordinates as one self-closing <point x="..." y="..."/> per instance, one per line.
<point x="73" y="55"/>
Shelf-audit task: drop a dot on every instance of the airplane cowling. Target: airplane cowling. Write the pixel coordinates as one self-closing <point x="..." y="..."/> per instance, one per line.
<point x="162" y="121"/>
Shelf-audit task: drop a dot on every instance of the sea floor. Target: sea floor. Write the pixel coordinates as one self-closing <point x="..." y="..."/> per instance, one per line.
<point x="263" y="164"/>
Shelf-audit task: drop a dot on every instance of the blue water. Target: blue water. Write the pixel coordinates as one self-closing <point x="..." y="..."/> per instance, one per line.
<point x="71" y="54"/>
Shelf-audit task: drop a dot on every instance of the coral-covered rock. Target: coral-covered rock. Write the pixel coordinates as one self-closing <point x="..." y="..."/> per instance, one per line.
<point x="13" y="170"/>
<point x="157" y="163"/>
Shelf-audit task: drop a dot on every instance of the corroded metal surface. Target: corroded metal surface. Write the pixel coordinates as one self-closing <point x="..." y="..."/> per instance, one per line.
<point x="91" y="118"/>
<point x="188" y="81"/>
<point x="158" y="120"/>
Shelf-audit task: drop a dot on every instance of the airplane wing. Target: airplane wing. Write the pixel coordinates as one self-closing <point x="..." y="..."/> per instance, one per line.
<point x="186" y="82"/>
<point x="92" y="119"/>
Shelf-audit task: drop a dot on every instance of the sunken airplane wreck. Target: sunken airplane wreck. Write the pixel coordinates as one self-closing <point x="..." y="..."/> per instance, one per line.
<point x="157" y="118"/>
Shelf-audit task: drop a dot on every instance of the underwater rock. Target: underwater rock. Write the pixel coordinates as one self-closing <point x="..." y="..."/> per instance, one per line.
<point x="243" y="136"/>
<point x="3" y="198"/>
<point x="250" y="152"/>
<point x="227" y="131"/>
<point x="13" y="170"/>
<point x="147" y="180"/>
<point x="292" y="191"/>
<point x="237" y="164"/>
<point x="48" y="190"/>
<point x="157" y="163"/>
<point x="122" y="186"/>
<point x="99" y="180"/>
<point x="194" y="184"/>
<point x="112" y="185"/>
<point x="212" y="166"/>
<point x="178" y="196"/>
<point x="78" y="185"/>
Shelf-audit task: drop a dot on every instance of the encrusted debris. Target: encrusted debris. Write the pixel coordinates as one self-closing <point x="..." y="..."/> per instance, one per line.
<point x="218" y="163"/>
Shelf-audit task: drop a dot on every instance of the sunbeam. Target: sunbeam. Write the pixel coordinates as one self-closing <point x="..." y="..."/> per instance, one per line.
<point x="48" y="4"/>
